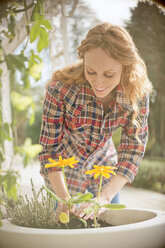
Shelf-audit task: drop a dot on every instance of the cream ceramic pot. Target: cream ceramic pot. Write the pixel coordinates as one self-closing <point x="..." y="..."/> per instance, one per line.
<point x="133" y="228"/>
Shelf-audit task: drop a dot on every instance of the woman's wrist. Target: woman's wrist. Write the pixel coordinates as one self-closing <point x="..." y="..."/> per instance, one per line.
<point x="58" y="184"/>
<point x="113" y="187"/>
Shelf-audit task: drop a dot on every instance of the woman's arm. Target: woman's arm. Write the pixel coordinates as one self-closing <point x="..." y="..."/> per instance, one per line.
<point x="113" y="187"/>
<point x="107" y="194"/>
<point x="57" y="182"/>
<point x="51" y="134"/>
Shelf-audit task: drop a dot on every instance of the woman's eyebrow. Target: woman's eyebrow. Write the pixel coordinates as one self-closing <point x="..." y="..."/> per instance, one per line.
<point x="104" y="71"/>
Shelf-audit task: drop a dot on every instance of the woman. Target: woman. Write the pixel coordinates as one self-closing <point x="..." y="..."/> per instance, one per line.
<point x="85" y="103"/>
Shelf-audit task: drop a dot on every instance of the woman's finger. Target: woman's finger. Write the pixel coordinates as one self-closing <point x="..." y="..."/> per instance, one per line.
<point x="81" y="208"/>
<point x="74" y="209"/>
<point x="89" y="216"/>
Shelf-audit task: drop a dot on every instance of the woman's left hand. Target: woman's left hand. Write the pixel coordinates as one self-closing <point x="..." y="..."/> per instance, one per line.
<point x="80" y="211"/>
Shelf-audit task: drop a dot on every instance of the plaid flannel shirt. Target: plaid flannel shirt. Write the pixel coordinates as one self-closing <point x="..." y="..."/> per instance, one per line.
<point x="74" y="124"/>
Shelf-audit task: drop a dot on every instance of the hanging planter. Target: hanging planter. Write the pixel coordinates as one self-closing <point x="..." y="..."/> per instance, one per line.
<point x="130" y="228"/>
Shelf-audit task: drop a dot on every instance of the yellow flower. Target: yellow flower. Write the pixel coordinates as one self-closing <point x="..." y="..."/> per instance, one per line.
<point x="62" y="162"/>
<point x="105" y="171"/>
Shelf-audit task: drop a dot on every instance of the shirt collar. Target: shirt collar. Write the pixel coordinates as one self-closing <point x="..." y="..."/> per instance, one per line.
<point x="86" y="95"/>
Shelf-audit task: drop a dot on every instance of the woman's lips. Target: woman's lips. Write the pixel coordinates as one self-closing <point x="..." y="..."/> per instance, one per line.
<point x="101" y="89"/>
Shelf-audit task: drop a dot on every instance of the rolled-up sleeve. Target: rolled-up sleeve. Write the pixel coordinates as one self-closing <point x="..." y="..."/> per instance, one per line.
<point x="131" y="149"/>
<point x="51" y="133"/>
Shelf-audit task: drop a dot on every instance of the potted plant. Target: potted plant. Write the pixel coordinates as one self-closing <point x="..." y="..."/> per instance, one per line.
<point x="36" y="225"/>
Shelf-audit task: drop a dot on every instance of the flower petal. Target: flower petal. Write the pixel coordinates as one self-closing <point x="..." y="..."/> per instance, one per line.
<point x="105" y="174"/>
<point x="112" y="172"/>
<point x="60" y="158"/>
<point x="90" y="171"/>
<point x="51" y="160"/>
<point x="50" y="165"/>
<point x="111" y="168"/>
<point x="71" y="165"/>
<point x="96" y="175"/>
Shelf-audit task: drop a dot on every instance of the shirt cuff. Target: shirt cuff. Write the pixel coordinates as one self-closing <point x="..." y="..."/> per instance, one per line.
<point x="127" y="170"/>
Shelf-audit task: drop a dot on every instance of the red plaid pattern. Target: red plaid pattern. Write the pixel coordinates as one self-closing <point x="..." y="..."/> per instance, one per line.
<point x="74" y="124"/>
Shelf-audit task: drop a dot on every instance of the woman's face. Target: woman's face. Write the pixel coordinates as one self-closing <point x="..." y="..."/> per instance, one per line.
<point x="101" y="71"/>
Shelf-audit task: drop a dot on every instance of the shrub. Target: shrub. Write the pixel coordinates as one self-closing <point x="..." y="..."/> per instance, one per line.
<point x="151" y="175"/>
<point x="33" y="213"/>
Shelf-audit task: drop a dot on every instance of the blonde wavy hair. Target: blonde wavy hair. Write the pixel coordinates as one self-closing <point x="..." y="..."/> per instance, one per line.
<point x="117" y="42"/>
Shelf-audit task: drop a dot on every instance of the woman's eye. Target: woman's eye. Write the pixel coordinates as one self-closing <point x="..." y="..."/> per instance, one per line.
<point x="90" y="72"/>
<point x="109" y="76"/>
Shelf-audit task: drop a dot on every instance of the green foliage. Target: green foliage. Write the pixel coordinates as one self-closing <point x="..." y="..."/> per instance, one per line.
<point x="33" y="131"/>
<point x="151" y="175"/>
<point x="35" y="66"/>
<point x="38" y="213"/>
<point x="114" y="206"/>
<point x="149" y="37"/>
<point x="116" y="137"/>
<point x="34" y="212"/>
<point x="8" y="179"/>
<point x="28" y="150"/>
<point x="39" y="30"/>
<point x="28" y="66"/>
<point x="5" y="132"/>
<point x="20" y="102"/>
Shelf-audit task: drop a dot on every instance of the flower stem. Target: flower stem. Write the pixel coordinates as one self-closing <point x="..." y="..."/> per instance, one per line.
<point x="65" y="183"/>
<point x="101" y="178"/>
<point x="97" y="207"/>
<point x="66" y="188"/>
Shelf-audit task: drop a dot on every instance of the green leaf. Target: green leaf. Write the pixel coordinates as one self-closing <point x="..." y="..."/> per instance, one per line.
<point x="36" y="10"/>
<point x="25" y="160"/>
<point x="15" y="61"/>
<point x="33" y="150"/>
<point x="82" y="198"/>
<point x="34" y="59"/>
<point x="52" y="194"/>
<point x="114" y="206"/>
<point x="87" y="196"/>
<point x="45" y="23"/>
<point x="34" y="32"/>
<point x="28" y="149"/>
<point x="1" y="157"/>
<point x="39" y="17"/>
<point x="1" y="72"/>
<point x="10" y="183"/>
<point x="75" y="197"/>
<point x="43" y="41"/>
<point x="35" y="70"/>
<point x="89" y="210"/>
<point x="11" y="25"/>
<point x="32" y="114"/>
<point x="20" y="102"/>
<point x="0" y="218"/>
<point x="25" y="78"/>
<point x="83" y="221"/>
<point x="5" y="133"/>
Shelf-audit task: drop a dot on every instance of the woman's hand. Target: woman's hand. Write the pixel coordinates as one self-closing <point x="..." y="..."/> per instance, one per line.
<point x="80" y="211"/>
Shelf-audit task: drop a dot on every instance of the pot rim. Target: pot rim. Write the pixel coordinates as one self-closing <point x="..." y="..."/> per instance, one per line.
<point x="159" y="219"/>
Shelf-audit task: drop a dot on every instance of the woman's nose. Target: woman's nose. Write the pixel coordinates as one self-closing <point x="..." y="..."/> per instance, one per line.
<point x="99" y="81"/>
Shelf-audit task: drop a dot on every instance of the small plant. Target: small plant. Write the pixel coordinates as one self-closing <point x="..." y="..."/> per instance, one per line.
<point x="40" y="213"/>
<point x="34" y="212"/>
<point x="74" y="199"/>
<point x="102" y="171"/>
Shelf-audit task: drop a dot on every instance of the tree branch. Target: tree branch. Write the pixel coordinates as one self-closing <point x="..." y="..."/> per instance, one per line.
<point x="24" y="9"/>
<point x="72" y="10"/>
